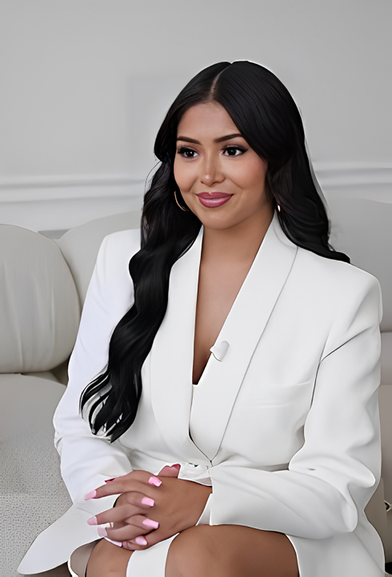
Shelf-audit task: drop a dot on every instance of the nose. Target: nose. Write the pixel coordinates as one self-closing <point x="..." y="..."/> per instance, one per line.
<point x="211" y="170"/>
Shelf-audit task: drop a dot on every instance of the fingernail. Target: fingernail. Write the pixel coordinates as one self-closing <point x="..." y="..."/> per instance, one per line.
<point x="154" y="481"/>
<point x="108" y="480"/>
<point x="150" y="523"/>
<point x="102" y="532"/>
<point x="92" y="521"/>
<point x="148" y="501"/>
<point x="140" y="541"/>
<point x="176" y="466"/>
<point x="118" y="543"/>
<point x="90" y="495"/>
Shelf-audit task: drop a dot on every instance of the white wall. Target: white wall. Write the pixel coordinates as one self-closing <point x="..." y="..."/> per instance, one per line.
<point x="85" y="84"/>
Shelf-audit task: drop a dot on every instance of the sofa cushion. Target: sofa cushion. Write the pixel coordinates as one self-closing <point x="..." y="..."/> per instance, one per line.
<point x="32" y="493"/>
<point x="80" y="245"/>
<point x="39" y="307"/>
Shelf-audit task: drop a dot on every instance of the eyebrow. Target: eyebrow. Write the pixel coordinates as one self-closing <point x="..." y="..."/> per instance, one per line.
<point x="221" y="139"/>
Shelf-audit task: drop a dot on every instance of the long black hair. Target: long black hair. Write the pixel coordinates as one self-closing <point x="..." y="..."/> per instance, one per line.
<point x="267" y="117"/>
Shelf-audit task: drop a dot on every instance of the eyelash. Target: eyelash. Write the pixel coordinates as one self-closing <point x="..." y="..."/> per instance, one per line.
<point x="182" y="150"/>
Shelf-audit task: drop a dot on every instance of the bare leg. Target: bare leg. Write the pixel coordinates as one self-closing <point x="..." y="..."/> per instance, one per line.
<point x="108" y="560"/>
<point x="231" y="551"/>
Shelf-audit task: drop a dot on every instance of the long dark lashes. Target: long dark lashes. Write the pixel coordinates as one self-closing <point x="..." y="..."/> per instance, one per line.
<point x="236" y="148"/>
<point x="183" y="149"/>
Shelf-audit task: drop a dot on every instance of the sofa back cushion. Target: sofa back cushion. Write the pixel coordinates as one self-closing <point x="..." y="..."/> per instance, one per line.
<point x="39" y="307"/>
<point x="80" y="245"/>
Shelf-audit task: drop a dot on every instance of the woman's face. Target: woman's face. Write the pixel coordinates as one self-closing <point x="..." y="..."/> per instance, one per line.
<point x="221" y="179"/>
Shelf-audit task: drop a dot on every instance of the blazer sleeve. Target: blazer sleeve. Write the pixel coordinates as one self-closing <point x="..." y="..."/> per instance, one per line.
<point x="332" y="477"/>
<point x="87" y="460"/>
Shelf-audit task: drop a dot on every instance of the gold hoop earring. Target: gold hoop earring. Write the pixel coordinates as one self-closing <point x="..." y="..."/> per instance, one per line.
<point x="178" y="204"/>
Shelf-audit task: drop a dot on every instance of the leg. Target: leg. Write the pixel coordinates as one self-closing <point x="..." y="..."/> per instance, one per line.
<point x="108" y="560"/>
<point x="231" y="551"/>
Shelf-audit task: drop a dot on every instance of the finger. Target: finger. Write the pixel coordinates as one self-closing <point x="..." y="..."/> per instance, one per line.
<point x="151" y="539"/>
<point x="133" y="546"/>
<point x="124" y="485"/>
<point x="148" y="540"/>
<point x="136" y="504"/>
<point x="135" y="526"/>
<point x="141" y="541"/>
<point x="170" y="471"/>
<point x="142" y="522"/>
<point x="125" y="533"/>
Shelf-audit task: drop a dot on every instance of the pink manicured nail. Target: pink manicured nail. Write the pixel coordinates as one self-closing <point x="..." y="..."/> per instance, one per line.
<point x="90" y="495"/>
<point x="118" y="543"/>
<point x="92" y="521"/>
<point x="176" y="466"/>
<point x="108" y="480"/>
<point x="150" y="523"/>
<point x="153" y="481"/>
<point x="140" y="541"/>
<point x="148" y="501"/>
<point x="102" y="532"/>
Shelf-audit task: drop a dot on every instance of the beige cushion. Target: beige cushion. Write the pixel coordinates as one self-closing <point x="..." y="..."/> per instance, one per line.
<point x="39" y="308"/>
<point x="32" y="493"/>
<point x="385" y="396"/>
<point x="80" y="245"/>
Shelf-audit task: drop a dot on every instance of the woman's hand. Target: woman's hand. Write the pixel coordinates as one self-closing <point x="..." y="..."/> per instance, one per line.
<point x="156" y="507"/>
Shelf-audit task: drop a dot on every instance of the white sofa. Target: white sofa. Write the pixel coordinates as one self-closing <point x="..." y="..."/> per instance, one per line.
<point x="43" y="285"/>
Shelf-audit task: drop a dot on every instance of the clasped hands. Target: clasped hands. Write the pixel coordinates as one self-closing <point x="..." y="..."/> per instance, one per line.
<point x="150" y="508"/>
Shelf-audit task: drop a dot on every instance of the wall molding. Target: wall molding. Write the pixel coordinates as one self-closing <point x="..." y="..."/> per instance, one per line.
<point x="338" y="176"/>
<point x="64" y="201"/>
<point x="64" y="187"/>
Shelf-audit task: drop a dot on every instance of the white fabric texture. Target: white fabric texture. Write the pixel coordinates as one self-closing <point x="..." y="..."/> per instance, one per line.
<point x="32" y="493"/>
<point x="286" y="424"/>
<point x="39" y="308"/>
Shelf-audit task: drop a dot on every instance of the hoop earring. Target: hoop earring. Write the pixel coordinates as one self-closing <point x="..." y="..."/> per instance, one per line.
<point x="178" y="204"/>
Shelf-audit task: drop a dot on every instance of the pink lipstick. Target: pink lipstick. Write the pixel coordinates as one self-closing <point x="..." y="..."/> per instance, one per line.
<point x="213" y="199"/>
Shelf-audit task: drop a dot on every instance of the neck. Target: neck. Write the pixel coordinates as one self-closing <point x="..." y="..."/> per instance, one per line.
<point x="236" y="244"/>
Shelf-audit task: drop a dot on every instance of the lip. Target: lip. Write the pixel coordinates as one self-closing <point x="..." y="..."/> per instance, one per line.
<point x="213" y="199"/>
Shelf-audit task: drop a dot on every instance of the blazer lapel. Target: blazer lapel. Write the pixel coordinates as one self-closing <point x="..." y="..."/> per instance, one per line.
<point x="172" y="357"/>
<point x="172" y="352"/>
<point x="244" y="326"/>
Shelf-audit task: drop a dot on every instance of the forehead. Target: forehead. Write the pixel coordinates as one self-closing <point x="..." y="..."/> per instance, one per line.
<point x="206" y="120"/>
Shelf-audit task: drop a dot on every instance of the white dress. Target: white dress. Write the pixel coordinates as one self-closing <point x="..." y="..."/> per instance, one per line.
<point x="284" y="421"/>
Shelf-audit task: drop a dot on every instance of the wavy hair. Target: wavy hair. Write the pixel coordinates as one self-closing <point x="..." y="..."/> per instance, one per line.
<point x="267" y="117"/>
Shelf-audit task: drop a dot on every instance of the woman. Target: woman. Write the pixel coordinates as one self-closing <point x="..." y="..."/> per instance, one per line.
<point x="234" y="430"/>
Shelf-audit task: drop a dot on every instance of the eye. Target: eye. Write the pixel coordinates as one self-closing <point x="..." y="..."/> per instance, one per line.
<point x="186" y="152"/>
<point x="234" y="150"/>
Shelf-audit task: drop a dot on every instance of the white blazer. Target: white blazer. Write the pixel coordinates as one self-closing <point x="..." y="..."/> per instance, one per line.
<point x="284" y="421"/>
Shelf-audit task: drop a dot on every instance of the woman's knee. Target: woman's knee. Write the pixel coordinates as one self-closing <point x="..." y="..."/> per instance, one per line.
<point x="192" y="553"/>
<point x="230" y="551"/>
<point x="107" y="560"/>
